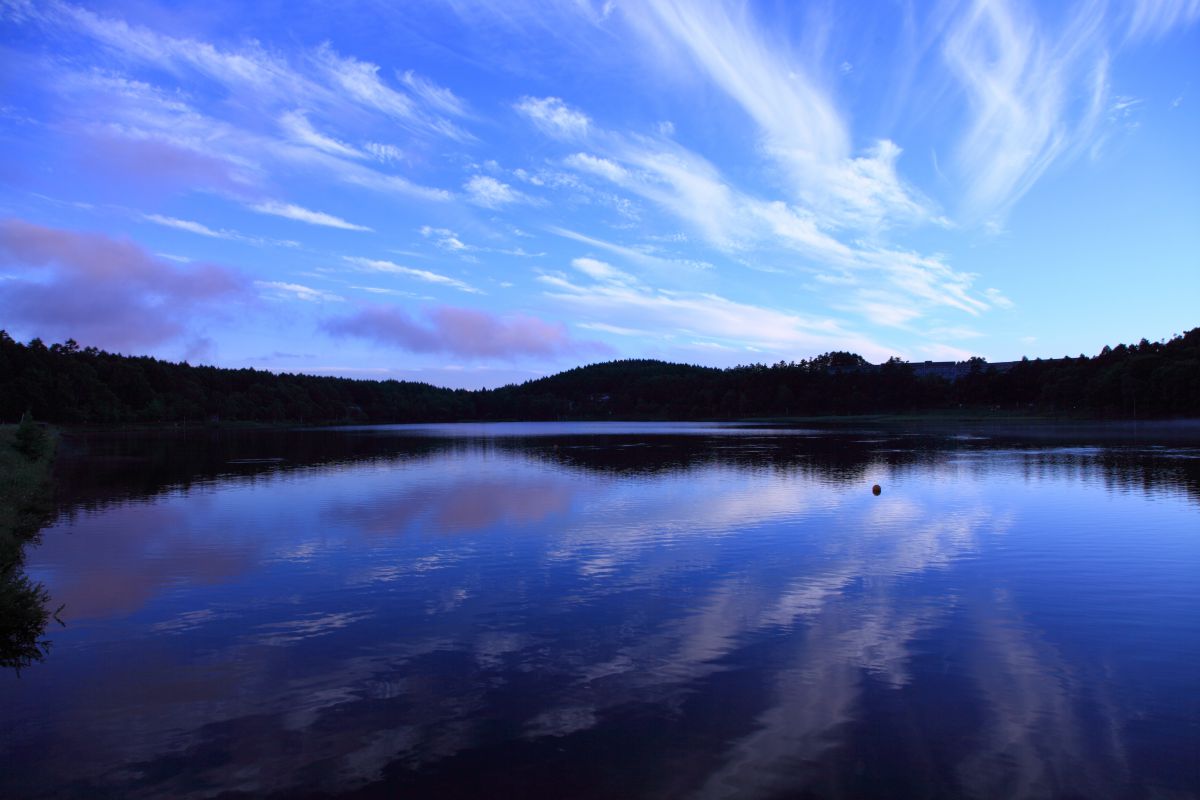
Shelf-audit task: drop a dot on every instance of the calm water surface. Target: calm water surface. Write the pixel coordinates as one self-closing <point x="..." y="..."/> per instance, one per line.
<point x="614" y="611"/>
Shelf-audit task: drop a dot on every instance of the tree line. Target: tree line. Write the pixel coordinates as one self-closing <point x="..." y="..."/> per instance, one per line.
<point x="67" y="384"/>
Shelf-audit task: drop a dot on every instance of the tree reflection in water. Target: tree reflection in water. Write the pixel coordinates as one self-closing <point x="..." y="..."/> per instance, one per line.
<point x="652" y="613"/>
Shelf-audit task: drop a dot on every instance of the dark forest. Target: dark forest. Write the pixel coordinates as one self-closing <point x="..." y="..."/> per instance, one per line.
<point x="66" y="384"/>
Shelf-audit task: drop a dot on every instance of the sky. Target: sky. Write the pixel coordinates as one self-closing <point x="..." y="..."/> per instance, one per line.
<point x="474" y="194"/>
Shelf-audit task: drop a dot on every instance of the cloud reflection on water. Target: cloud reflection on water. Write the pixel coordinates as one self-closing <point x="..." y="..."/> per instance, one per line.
<point x="321" y="629"/>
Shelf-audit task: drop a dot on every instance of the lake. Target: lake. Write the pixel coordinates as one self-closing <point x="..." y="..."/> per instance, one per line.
<point x="615" y="610"/>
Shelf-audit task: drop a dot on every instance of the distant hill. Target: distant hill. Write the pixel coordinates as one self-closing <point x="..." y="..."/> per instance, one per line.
<point x="67" y="384"/>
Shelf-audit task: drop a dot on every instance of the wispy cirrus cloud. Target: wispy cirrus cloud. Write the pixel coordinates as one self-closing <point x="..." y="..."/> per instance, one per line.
<point x="103" y="291"/>
<point x="191" y="226"/>
<point x="619" y="303"/>
<point x="644" y="257"/>
<point x="200" y="229"/>
<point x="382" y="265"/>
<point x="323" y="78"/>
<point x="1150" y="19"/>
<point x="736" y="221"/>
<point x="285" y="106"/>
<point x="602" y="271"/>
<point x="800" y="124"/>
<point x="301" y="214"/>
<point x="675" y="152"/>
<point x="434" y="96"/>
<point x="296" y="291"/>
<point x="463" y="332"/>
<point x="297" y="127"/>
<point x="1034" y="96"/>
<point x="362" y="82"/>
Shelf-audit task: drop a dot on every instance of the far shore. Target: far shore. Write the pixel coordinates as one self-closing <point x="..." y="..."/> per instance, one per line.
<point x="984" y="423"/>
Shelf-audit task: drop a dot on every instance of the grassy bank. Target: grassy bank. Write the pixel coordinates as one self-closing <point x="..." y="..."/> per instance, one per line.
<point x="25" y="490"/>
<point x="25" y="506"/>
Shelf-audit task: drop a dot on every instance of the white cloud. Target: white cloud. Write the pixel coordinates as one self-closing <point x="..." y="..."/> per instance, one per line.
<point x="1023" y="86"/>
<point x="445" y="238"/>
<point x="693" y="189"/>
<point x="360" y="80"/>
<point x="602" y="271"/>
<point x="684" y="183"/>
<point x="882" y="310"/>
<point x="800" y="124"/>
<point x="554" y="117"/>
<point x="320" y="79"/>
<point x="437" y="97"/>
<point x="298" y="128"/>
<point x="290" y="211"/>
<point x="619" y="331"/>
<point x="378" y="265"/>
<point x="706" y="315"/>
<point x="220" y="154"/>
<point x="382" y="290"/>
<point x="640" y="257"/>
<point x="598" y="166"/>
<point x="945" y="352"/>
<point x="1151" y="19"/>
<point x="190" y="226"/>
<point x="297" y="95"/>
<point x="997" y="298"/>
<point x="357" y="175"/>
<point x="800" y="230"/>
<point x="296" y="291"/>
<point x="386" y="153"/>
<point x="486" y="191"/>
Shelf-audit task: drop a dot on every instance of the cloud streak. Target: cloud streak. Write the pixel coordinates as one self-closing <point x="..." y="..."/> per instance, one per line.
<point x="382" y="265"/>
<point x="300" y="214"/>
<point x="693" y="189"/>
<point x="800" y="124"/>
<point x="155" y="135"/>
<point x="1033" y="97"/>
<point x="619" y="302"/>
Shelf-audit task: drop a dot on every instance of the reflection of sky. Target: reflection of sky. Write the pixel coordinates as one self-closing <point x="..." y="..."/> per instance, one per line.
<point x="1002" y="628"/>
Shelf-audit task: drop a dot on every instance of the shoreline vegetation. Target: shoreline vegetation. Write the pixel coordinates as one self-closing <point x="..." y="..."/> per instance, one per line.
<point x="84" y="387"/>
<point x="27" y="455"/>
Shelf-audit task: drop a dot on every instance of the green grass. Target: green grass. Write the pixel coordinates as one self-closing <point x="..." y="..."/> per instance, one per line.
<point x="25" y="499"/>
<point x="25" y="506"/>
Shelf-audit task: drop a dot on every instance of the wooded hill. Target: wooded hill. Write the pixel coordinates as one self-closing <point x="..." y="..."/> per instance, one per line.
<point x="66" y="384"/>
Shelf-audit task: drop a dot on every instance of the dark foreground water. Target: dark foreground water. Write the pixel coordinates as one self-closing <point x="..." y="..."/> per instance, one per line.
<point x="614" y="611"/>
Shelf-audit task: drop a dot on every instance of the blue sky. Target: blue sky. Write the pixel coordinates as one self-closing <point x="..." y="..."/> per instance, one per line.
<point x="472" y="194"/>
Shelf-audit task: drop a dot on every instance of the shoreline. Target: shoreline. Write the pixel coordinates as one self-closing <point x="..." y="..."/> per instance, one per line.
<point x="932" y="418"/>
<point x="26" y="489"/>
<point x="26" y="506"/>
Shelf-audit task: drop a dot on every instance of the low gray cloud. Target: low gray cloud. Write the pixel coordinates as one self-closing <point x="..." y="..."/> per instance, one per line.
<point x="102" y="291"/>
<point x="460" y="331"/>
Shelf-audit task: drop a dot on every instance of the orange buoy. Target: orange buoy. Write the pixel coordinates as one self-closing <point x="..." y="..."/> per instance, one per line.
<point x="875" y="490"/>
